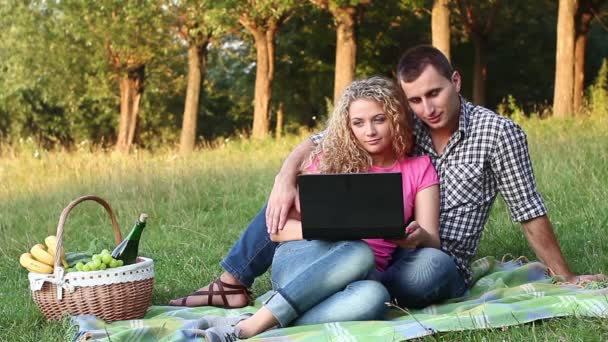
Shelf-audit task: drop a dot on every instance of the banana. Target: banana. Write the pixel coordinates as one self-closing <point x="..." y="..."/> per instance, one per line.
<point x="39" y="252"/>
<point x="51" y="243"/>
<point x="26" y="260"/>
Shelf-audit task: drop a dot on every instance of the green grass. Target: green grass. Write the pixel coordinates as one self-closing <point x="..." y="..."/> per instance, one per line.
<point x="199" y="205"/>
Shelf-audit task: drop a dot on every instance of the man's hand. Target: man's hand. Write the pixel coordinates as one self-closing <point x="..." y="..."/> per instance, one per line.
<point x="283" y="194"/>
<point x="416" y="236"/>
<point x="541" y="237"/>
<point x="282" y="197"/>
<point x="578" y="279"/>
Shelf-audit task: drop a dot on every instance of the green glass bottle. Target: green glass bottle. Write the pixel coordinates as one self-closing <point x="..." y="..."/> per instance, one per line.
<point x="128" y="249"/>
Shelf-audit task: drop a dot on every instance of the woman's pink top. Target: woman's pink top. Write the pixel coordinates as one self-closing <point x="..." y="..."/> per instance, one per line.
<point x="418" y="173"/>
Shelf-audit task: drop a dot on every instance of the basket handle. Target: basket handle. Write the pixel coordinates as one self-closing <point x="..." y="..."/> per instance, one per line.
<point x="66" y="212"/>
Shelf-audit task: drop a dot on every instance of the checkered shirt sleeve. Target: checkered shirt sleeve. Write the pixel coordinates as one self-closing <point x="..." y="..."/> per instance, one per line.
<point x="514" y="174"/>
<point x="316" y="138"/>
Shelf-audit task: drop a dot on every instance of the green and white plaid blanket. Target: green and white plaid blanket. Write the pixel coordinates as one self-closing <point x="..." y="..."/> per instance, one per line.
<point x="504" y="294"/>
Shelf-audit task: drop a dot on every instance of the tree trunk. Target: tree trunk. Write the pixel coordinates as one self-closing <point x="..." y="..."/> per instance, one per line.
<point x="440" y="26"/>
<point x="479" y="29"/>
<point x="263" y="36"/>
<point x="280" y="114"/>
<point x="133" y="122"/>
<point x="264" y="44"/>
<point x="125" y="114"/>
<point x="197" y="68"/>
<point x="479" y="71"/>
<point x="580" y="45"/>
<point x="346" y="48"/>
<point x="564" y="60"/>
<point x="131" y="89"/>
<point x="583" y="22"/>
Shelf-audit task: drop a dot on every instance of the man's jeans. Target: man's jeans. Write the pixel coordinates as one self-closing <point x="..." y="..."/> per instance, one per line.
<point x="252" y="254"/>
<point x="321" y="281"/>
<point x="416" y="278"/>
<point x="420" y="277"/>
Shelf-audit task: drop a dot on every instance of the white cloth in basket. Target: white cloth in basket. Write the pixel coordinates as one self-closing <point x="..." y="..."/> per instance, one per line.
<point x="141" y="270"/>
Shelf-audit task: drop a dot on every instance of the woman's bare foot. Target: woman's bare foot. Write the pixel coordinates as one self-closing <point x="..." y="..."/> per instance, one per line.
<point x="225" y="291"/>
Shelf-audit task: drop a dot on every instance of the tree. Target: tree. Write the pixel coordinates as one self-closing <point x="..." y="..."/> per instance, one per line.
<point x="479" y="30"/>
<point x="262" y="19"/>
<point x="440" y="26"/>
<point x="346" y="16"/>
<point x="280" y="115"/>
<point x="305" y="68"/>
<point x="564" y="60"/>
<point x="587" y="11"/>
<point x="131" y="34"/>
<point x="59" y="100"/>
<point x="196" y="23"/>
<point x="25" y="73"/>
<point x="197" y="68"/>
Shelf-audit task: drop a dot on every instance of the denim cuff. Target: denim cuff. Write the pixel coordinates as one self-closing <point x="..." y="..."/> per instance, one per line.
<point x="281" y="309"/>
<point x="238" y="275"/>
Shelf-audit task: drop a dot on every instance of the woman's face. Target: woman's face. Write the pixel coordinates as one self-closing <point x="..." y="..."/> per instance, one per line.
<point x="371" y="126"/>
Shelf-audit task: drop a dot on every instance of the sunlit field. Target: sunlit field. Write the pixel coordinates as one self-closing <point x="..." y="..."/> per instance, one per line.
<point x="199" y="204"/>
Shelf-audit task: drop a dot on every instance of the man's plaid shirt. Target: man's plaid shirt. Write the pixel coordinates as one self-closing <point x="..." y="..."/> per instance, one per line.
<point x="488" y="154"/>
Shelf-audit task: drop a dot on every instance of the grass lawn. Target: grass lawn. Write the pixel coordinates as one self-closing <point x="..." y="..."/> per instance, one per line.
<point x="199" y="205"/>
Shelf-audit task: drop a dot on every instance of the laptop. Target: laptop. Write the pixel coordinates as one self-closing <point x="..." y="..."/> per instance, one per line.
<point x="351" y="206"/>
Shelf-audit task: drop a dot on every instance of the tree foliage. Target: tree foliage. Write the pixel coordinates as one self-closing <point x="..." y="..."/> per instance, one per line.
<point x="61" y="62"/>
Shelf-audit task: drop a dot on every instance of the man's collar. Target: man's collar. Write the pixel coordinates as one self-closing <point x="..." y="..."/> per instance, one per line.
<point x="463" y="118"/>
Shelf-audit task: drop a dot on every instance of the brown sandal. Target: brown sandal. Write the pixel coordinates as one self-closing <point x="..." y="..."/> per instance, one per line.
<point x="221" y="290"/>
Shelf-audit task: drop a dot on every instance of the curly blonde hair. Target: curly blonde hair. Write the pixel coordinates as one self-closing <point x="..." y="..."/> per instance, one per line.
<point x="340" y="151"/>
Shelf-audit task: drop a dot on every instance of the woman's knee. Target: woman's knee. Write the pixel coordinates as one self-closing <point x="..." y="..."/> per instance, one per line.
<point x="348" y="261"/>
<point x="293" y="257"/>
<point x="367" y="301"/>
<point x="360" y="301"/>
<point x="375" y="291"/>
<point x="372" y="298"/>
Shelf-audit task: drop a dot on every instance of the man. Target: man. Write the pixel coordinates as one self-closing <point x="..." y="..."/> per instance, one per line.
<point x="476" y="153"/>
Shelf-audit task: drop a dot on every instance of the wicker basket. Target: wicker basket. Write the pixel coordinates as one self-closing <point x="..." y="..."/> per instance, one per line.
<point x="114" y="294"/>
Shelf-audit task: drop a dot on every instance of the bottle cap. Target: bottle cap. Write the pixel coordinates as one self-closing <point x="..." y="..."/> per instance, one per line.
<point x="143" y="217"/>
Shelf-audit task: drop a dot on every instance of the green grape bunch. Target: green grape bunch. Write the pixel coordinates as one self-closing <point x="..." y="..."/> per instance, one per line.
<point x="98" y="262"/>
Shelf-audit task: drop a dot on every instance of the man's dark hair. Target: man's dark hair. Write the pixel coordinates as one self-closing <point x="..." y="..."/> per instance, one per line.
<point x="416" y="59"/>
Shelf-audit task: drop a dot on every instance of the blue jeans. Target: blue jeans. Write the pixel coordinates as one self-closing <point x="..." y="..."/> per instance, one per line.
<point x="410" y="278"/>
<point x="420" y="277"/>
<point x="321" y="281"/>
<point x="253" y="252"/>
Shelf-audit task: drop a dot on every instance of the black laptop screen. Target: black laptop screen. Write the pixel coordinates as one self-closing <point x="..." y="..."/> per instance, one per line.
<point x="352" y="206"/>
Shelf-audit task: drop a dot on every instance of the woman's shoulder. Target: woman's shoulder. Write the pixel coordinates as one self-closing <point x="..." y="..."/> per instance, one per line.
<point x="418" y="169"/>
<point x="417" y="162"/>
<point x="312" y="164"/>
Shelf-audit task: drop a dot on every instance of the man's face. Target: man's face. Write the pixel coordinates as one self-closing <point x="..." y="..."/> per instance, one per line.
<point x="434" y="99"/>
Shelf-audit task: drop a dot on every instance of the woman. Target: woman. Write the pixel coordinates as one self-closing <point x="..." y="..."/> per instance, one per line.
<point x="320" y="281"/>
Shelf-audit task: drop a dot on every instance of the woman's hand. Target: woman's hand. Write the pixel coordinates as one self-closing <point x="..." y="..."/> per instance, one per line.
<point x="416" y="236"/>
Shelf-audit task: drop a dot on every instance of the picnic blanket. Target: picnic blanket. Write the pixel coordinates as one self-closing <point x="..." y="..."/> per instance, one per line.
<point x="504" y="294"/>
